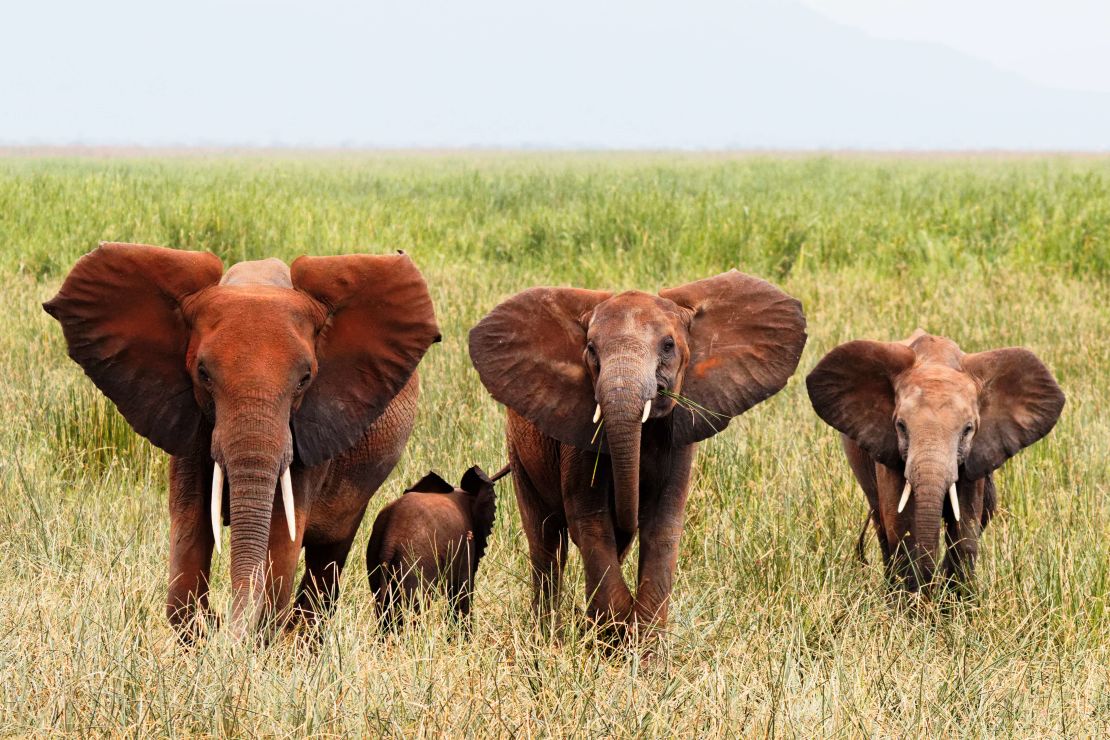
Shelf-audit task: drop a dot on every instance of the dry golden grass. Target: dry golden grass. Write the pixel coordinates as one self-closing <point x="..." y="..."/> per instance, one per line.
<point x="775" y="627"/>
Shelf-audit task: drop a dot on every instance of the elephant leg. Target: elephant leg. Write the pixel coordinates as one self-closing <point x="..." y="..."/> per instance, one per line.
<point x="863" y="467"/>
<point x="319" y="586"/>
<point x="590" y="521"/>
<point x="191" y="544"/>
<point x="661" y="521"/>
<point x="896" y="535"/>
<point x="546" y="532"/>
<point x="284" y="554"/>
<point x="962" y="537"/>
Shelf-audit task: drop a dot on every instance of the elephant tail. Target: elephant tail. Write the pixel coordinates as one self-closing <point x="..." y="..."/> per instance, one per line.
<point x="990" y="501"/>
<point x="862" y="541"/>
<point x="501" y="473"/>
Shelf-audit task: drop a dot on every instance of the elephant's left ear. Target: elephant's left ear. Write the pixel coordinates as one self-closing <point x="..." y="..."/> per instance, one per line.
<point x="379" y="323"/>
<point x="746" y="337"/>
<point x="1019" y="402"/>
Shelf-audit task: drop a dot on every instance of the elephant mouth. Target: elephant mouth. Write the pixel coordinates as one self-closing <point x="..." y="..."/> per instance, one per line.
<point x="218" y="501"/>
<point x="662" y="402"/>
<point x="953" y="499"/>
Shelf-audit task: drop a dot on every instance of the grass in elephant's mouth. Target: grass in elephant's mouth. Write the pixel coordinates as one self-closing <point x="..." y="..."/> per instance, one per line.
<point x="774" y="628"/>
<point x="597" y="454"/>
<point x="706" y="415"/>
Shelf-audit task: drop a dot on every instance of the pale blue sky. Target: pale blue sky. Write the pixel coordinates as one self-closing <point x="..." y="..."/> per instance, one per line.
<point x="808" y="74"/>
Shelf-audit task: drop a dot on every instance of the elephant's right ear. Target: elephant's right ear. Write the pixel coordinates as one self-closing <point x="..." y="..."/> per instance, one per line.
<point x="852" y="390"/>
<point x="120" y="310"/>
<point x="529" y="354"/>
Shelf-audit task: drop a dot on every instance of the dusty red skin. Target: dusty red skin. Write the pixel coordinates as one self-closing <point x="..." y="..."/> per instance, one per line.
<point x="433" y="536"/>
<point x="552" y="354"/>
<point x="921" y="410"/>
<point x="311" y="367"/>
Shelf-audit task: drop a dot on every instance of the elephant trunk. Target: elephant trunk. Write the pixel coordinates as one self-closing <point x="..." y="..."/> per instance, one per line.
<point x="929" y="480"/>
<point x="622" y="394"/>
<point x="256" y="448"/>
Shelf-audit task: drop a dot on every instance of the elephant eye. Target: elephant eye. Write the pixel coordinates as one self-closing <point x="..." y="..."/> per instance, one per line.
<point x="969" y="429"/>
<point x="203" y="375"/>
<point x="591" y="350"/>
<point x="668" y="345"/>
<point x="304" y="381"/>
<point x="901" y="426"/>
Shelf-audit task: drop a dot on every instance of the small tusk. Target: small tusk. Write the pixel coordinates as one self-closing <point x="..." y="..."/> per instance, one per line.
<point x="905" y="497"/>
<point x="647" y="410"/>
<point x="955" y="502"/>
<point x="217" y="503"/>
<point x="597" y="413"/>
<point x="287" y="502"/>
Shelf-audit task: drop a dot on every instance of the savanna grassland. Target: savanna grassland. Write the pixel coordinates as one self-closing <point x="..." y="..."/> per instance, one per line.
<point x="776" y="627"/>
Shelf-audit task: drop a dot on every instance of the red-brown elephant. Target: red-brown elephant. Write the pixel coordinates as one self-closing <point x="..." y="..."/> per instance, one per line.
<point x="924" y="425"/>
<point x="303" y="375"/>
<point x="597" y="444"/>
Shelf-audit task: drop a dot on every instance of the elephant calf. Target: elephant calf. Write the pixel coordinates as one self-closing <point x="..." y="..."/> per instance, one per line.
<point x="434" y="534"/>
<point x="924" y="426"/>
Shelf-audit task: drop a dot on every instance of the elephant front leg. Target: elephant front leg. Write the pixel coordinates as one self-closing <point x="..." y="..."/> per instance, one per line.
<point x="319" y="586"/>
<point x="590" y="521"/>
<point x="283" y="554"/>
<point x="962" y="537"/>
<point x="661" y="523"/>
<point x="191" y="543"/>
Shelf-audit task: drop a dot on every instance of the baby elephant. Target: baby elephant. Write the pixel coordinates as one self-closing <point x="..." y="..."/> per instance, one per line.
<point x="924" y="426"/>
<point x="433" y="536"/>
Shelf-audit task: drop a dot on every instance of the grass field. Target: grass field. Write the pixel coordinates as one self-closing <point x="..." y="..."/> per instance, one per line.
<point x="776" y="628"/>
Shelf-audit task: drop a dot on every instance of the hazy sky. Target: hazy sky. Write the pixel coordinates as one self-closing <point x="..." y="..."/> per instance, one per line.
<point x="700" y="74"/>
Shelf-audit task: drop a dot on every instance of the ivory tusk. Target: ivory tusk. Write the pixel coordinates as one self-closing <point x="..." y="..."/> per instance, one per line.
<point x="647" y="410"/>
<point x="905" y="497"/>
<point x="955" y="502"/>
<point x="597" y="413"/>
<point x="217" y="503"/>
<point x="287" y="502"/>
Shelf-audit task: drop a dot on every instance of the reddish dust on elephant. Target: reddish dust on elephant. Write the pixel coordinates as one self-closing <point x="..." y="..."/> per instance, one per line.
<point x="924" y="426"/>
<point x="285" y="396"/>
<point x="607" y="396"/>
<point x="432" y="538"/>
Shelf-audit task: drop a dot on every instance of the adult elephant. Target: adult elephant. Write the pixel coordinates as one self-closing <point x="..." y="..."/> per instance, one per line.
<point x="303" y="375"/>
<point x="924" y="426"/>
<point x="607" y="396"/>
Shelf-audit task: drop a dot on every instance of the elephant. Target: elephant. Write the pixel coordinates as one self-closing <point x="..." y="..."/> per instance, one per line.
<point x="924" y="426"/>
<point x="607" y="396"/>
<point x="298" y="383"/>
<point x="435" y="534"/>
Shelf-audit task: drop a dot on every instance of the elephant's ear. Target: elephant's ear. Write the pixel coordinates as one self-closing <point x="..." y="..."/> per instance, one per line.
<point x="852" y="390"/>
<point x="529" y="354"/>
<point x="379" y="323"/>
<point x="431" y="483"/>
<point x="474" y="480"/>
<point x="121" y="313"/>
<point x="746" y="337"/>
<point x="483" y="508"/>
<point x="1019" y="402"/>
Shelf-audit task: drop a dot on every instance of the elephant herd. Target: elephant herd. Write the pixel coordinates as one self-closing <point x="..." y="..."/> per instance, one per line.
<point x="285" y="396"/>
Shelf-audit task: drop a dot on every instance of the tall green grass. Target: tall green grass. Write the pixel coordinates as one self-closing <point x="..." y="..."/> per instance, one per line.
<point x="775" y="627"/>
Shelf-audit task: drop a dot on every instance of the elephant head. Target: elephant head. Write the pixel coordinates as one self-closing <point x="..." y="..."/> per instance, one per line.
<point x="936" y="415"/>
<point x="569" y="360"/>
<point x="268" y="366"/>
